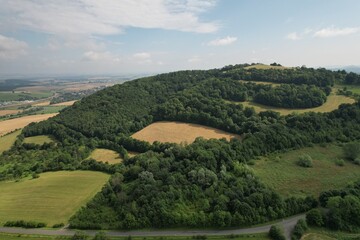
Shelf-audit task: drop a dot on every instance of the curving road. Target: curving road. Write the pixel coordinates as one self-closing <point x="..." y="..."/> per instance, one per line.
<point x="288" y="224"/>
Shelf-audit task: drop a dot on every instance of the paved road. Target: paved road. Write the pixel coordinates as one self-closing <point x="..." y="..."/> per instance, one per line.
<point x="288" y="224"/>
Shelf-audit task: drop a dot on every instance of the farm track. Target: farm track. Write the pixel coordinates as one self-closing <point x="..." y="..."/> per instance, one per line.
<point x="288" y="224"/>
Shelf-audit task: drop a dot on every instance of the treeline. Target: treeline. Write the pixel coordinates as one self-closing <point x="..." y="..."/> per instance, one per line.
<point x="292" y="96"/>
<point x="343" y="209"/>
<point x="310" y="76"/>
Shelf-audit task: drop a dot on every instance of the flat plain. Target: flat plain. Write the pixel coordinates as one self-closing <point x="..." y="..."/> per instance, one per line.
<point x="178" y="132"/>
<point x="52" y="198"/>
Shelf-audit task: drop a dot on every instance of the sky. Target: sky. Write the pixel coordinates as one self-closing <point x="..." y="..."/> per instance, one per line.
<point x="151" y="36"/>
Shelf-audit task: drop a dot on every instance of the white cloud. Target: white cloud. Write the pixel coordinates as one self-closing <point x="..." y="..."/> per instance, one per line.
<point x="293" y="36"/>
<point x="222" y="41"/>
<point x="142" y="56"/>
<point x="11" y="48"/>
<point x="99" y="56"/>
<point x="194" y="59"/>
<point x="334" y="32"/>
<point x="95" y="17"/>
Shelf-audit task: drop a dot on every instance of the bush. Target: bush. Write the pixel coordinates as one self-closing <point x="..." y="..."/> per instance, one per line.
<point x="299" y="229"/>
<point x="315" y="218"/>
<point x="101" y="236"/>
<point x="58" y="225"/>
<point x="79" y="235"/>
<point x="305" y="161"/>
<point x="276" y="233"/>
<point x="357" y="161"/>
<point x="24" y="224"/>
<point x="351" y="151"/>
<point x="340" y="162"/>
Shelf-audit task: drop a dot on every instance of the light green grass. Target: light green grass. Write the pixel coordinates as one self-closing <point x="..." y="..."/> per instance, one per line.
<point x="352" y="88"/>
<point x="51" y="109"/>
<point x="6" y="236"/>
<point x="264" y="66"/>
<point x="332" y="103"/>
<point x="106" y="155"/>
<point x="326" y="234"/>
<point x="281" y="172"/>
<point x="17" y="96"/>
<point x="8" y="140"/>
<point x="41" y="139"/>
<point x="52" y="198"/>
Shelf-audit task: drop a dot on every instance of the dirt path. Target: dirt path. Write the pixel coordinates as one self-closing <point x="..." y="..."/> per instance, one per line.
<point x="288" y="224"/>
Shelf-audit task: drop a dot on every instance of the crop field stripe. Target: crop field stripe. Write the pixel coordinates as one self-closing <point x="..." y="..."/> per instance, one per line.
<point x="8" y="140"/>
<point x="13" y="124"/>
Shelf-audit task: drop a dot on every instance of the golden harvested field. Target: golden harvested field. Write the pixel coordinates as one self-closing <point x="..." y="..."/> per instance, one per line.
<point x="332" y="103"/>
<point x="264" y="66"/>
<point x="69" y="103"/>
<point x="12" y="124"/>
<point x="132" y="154"/>
<point x="8" y="112"/>
<point x="52" y="198"/>
<point x="106" y="155"/>
<point x="40" y="104"/>
<point x="178" y="132"/>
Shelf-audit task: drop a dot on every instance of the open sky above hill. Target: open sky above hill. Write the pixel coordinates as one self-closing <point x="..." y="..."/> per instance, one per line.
<point x="126" y="36"/>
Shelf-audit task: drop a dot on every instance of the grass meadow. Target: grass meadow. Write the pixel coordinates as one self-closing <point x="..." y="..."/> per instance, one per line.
<point x="333" y="102"/>
<point x="281" y="172"/>
<point x="52" y="198"/>
<point x="41" y="139"/>
<point x="106" y="155"/>
<point x="8" y="140"/>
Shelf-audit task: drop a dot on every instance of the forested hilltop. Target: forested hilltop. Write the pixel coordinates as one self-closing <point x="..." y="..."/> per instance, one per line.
<point x="204" y="184"/>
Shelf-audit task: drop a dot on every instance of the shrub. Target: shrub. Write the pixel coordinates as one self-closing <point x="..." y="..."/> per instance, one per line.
<point x="276" y="233"/>
<point x="305" y="161"/>
<point x="299" y="229"/>
<point x="315" y="218"/>
<point x="357" y="161"/>
<point x="58" y="225"/>
<point x="79" y="235"/>
<point x="101" y="236"/>
<point x="351" y="151"/>
<point x="340" y="162"/>
<point x="24" y="224"/>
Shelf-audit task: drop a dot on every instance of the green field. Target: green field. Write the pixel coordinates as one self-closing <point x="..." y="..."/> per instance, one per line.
<point x="5" y="236"/>
<point x="41" y="139"/>
<point x="51" y="109"/>
<point x="52" y="198"/>
<point x="353" y="88"/>
<point x="281" y="172"/>
<point x="325" y="234"/>
<point x="8" y="140"/>
<point x="21" y="96"/>
<point x="332" y="103"/>
<point x="106" y="155"/>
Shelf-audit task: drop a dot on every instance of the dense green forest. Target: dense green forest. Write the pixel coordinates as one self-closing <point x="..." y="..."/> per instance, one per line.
<point x="204" y="184"/>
